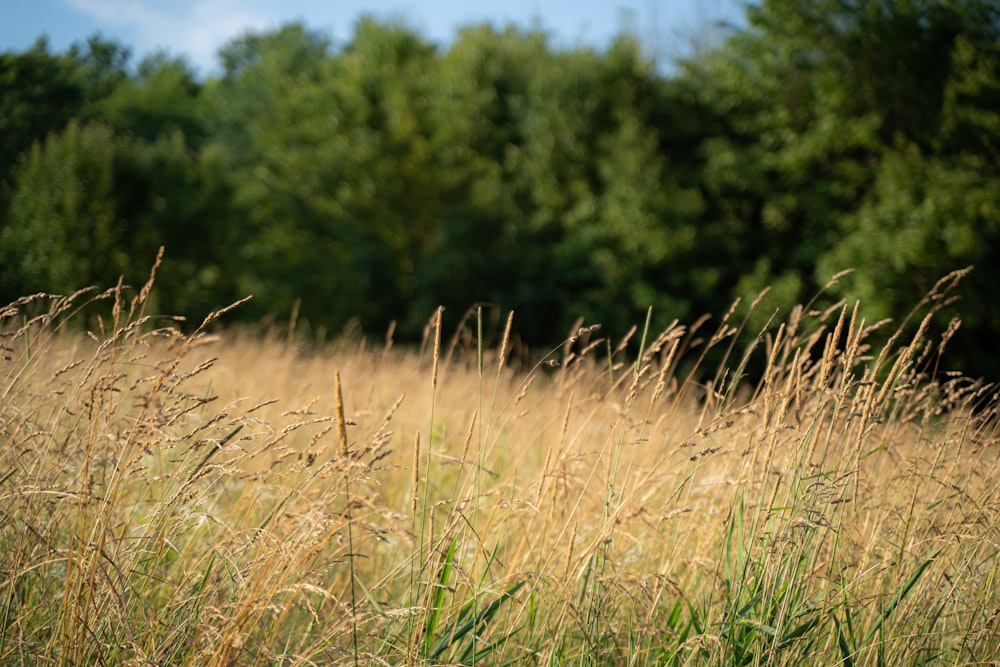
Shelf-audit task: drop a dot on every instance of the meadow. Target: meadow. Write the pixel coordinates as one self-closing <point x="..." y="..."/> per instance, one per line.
<point x="237" y="497"/>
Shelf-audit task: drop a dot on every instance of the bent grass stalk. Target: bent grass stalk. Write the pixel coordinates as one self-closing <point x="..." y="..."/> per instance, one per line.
<point x="348" y="510"/>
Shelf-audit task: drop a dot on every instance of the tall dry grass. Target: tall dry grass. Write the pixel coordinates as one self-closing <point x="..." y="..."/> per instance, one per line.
<point x="234" y="499"/>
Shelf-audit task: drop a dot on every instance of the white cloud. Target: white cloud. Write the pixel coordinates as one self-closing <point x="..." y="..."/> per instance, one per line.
<point x="194" y="28"/>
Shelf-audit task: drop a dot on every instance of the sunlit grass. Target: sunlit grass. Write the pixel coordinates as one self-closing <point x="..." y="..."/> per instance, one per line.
<point x="237" y="498"/>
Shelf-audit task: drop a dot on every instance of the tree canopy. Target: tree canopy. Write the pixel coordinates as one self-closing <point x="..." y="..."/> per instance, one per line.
<point x="372" y="180"/>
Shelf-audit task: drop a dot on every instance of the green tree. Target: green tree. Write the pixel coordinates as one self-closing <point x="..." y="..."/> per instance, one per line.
<point x="90" y="206"/>
<point x="40" y="95"/>
<point x="563" y="204"/>
<point x="831" y="113"/>
<point x="379" y="177"/>
<point x="161" y="97"/>
<point x="327" y="161"/>
<point x="64" y="230"/>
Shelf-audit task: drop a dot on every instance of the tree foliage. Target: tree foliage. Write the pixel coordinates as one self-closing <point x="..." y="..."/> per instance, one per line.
<point x="373" y="179"/>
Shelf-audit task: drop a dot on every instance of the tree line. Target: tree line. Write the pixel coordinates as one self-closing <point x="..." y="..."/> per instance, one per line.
<point x="373" y="179"/>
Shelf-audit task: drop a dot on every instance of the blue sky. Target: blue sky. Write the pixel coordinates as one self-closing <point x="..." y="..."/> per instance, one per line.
<point x="197" y="28"/>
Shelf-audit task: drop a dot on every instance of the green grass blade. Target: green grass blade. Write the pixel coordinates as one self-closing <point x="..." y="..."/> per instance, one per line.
<point x="849" y="622"/>
<point x="845" y="650"/>
<point x="898" y="597"/>
<point x="799" y="631"/>
<point x="371" y="598"/>
<point x="487" y="614"/>
<point x="212" y="451"/>
<point x="437" y="600"/>
<point x="748" y="607"/>
<point x="486" y="651"/>
<point x="471" y="624"/>
<point x="698" y="626"/>
<point x="208" y="572"/>
<point x="7" y="476"/>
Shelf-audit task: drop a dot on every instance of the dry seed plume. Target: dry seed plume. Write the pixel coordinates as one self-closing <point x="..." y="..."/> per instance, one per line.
<point x="341" y="420"/>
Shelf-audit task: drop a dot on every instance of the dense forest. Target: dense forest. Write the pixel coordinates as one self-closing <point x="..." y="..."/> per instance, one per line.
<point x="370" y="180"/>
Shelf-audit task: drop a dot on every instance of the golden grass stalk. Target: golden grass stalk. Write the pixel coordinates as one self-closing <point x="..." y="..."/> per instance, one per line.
<point x="167" y="502"/>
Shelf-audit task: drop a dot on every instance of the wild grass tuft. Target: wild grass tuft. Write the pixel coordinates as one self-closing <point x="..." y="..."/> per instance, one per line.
<point x="230" y="499"/>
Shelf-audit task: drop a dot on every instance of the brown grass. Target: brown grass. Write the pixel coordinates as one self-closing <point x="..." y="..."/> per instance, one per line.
<point x="238" y="499"/>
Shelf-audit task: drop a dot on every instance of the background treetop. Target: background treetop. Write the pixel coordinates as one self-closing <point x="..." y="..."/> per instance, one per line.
<point x="371" y="180"/>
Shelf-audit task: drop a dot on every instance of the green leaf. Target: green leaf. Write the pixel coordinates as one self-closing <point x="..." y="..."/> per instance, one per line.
<point x="898" y="597"/>
<point x="437" y="601"/>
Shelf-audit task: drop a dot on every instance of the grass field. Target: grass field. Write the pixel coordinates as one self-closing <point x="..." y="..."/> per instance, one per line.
<point x="240" y="499"/>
